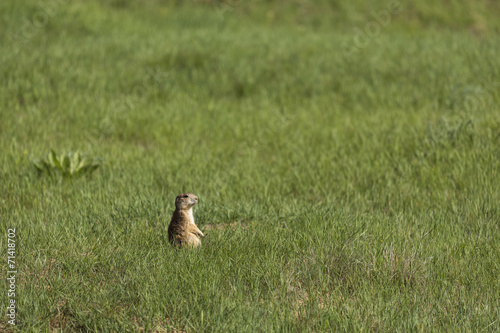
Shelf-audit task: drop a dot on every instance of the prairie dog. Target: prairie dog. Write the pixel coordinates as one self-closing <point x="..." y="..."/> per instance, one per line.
<point x="182" y="232"/>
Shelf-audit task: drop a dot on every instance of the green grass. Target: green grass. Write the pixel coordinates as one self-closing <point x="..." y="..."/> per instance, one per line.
<point x="337" y="193"/>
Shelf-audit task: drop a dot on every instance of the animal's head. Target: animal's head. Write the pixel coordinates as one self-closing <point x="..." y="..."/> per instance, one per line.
<point x="185" y="201"/>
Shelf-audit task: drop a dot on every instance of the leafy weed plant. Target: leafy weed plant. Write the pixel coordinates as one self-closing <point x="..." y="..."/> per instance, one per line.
<point x="69" y="165"/>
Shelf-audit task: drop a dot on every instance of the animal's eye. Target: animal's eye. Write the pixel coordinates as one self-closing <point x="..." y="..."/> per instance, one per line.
<point x="185" y="196"/>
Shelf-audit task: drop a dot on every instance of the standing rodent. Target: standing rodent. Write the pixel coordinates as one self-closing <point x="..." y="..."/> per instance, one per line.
<point x="182" y="232"/>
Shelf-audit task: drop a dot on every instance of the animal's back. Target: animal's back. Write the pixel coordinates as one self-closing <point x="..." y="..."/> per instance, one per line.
<point x="181" y="232"/>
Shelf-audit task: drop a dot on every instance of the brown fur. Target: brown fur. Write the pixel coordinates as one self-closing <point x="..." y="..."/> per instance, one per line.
<point x="182" y="232"/>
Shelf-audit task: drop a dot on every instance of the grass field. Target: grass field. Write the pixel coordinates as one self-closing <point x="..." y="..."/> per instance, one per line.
<point x="346" y="157"/>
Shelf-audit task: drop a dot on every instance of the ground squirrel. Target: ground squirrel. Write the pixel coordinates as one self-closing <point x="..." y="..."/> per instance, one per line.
<point x="182" y="231"/>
